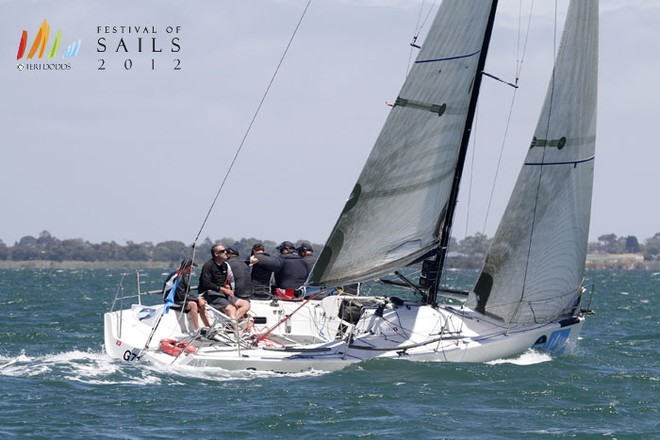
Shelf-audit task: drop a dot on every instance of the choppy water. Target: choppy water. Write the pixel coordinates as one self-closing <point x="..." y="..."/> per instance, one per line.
<point x="56" y="382"/>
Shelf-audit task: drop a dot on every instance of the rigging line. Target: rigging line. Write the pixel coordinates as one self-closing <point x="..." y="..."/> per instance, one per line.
<point x="254" y="117"/>
<point x="286" y="318"/>
<point x="428" y="14"/>
<point x="521" y="59"/>
<point x="413" y="44"/>
<point x="541" y="168"/>
<point x="519" y="63"/>
<point x="518" y="38"/>
<point x="419" y="17"/>
<point x="418" y="30"/>
<point x="499" y="159"/>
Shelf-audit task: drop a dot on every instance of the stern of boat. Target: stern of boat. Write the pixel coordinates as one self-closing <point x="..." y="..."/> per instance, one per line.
<point x="125" y="335"/>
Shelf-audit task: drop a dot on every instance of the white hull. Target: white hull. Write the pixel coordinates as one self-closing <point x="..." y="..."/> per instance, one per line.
<point x="312" y="340"/>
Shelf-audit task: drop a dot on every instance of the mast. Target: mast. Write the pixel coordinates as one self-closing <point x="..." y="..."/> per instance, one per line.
<point x="434" y="275"/>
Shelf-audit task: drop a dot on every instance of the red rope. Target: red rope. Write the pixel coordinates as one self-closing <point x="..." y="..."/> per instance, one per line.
<point x="261" y="337"/>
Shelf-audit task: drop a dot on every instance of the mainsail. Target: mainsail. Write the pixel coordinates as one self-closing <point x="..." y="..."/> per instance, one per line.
<point x="395" y="212"/>
<point x="535" y="266"/>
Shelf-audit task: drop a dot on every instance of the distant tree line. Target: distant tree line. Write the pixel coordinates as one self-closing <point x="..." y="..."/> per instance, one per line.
<point x="470" y="252"/>
<point x="611" y="244"/>
<point x="49" y="248"/>
<point x="466" y="253"/>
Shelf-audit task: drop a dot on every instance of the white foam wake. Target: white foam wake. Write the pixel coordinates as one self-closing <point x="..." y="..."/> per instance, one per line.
<point x="80" y="366"/>
<point x="530" y="357"/>
<point x="99" y="368"/>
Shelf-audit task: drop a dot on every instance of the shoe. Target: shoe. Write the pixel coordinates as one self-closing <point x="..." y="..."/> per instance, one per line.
<point x="210" y="333"/>
<point x="203" y="331"/>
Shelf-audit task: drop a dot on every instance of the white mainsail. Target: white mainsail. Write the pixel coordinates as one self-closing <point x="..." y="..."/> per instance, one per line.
<point x="395" y="212"/>
<point x="535" y="266"/>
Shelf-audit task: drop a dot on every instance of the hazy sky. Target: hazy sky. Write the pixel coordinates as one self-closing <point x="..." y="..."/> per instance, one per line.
<point x="139" y="154"/>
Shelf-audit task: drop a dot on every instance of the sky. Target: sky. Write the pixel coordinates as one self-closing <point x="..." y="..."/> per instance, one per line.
<point x="128" y="145"/>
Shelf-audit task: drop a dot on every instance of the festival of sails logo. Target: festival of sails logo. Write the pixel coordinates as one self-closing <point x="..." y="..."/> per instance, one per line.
<point x="39" y="46"/>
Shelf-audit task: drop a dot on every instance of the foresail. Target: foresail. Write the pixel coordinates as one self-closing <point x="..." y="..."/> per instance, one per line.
<point x="394" y="213"/>
<point x="535" y="266"/>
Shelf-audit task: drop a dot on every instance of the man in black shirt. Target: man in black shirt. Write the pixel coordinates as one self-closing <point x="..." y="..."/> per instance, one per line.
<point x="215" y="285"/>
<point x="241" y="279"/>
<point x="289" y="268"/>
<point x="259" y="274"/>
<point x="306" y="252"/>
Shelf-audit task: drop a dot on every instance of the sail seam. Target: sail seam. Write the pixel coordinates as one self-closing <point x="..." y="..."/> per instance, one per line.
<point x="572" y="162"/>
<point x="456" y="57"/>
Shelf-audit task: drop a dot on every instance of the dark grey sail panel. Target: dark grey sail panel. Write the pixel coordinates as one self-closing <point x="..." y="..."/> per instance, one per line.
<point x="394" y="213"/>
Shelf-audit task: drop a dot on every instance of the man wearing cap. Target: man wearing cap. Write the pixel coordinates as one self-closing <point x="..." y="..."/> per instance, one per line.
<point x="215" y="285"/>
<point x="194" y="303"/>
<point x="306" y="252"/>
<point x="241" y="280"/>
<point x="289" y="268"/>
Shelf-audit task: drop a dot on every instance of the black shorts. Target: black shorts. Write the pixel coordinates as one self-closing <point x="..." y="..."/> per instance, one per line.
<point x="218" y="300"/>
<point x="191" y="297"/>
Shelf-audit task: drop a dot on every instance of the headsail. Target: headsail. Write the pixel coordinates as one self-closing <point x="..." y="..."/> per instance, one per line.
<point x="535" y="266"/>
<point x="394" y="214"/>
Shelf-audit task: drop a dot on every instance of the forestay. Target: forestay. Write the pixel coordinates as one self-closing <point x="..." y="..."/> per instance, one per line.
<point x="395" y="212"/>
<point x="535" y="266"/>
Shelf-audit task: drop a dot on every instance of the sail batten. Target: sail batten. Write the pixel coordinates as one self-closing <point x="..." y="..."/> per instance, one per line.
<point x="396" y="211"/>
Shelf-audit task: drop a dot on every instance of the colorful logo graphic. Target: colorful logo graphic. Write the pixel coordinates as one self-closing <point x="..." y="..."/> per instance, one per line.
<point x="41" y="41"/>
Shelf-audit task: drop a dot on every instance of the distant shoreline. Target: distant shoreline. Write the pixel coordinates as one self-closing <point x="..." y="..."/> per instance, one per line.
<point x="135" y="265"/>
<point x="45" y="264"/>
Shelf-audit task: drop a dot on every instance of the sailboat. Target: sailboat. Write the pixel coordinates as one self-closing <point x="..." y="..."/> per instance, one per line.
<point x="530" y="293"/>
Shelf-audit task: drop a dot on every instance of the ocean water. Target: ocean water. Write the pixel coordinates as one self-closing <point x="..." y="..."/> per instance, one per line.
<point x="56" y="381"/>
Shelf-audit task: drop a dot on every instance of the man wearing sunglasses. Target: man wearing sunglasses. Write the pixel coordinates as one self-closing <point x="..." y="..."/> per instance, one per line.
<point x="215" y="285"/>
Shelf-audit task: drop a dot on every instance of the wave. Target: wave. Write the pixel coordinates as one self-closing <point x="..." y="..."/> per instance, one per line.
<point x="87" y="367"/>
<point x="530" y="357"/>
<point x="97" y="368"/>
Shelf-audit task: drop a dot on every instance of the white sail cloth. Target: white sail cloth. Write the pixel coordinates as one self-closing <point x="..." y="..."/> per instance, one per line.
<point x="535" y="266"/>
<point x="395" y="212"/>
